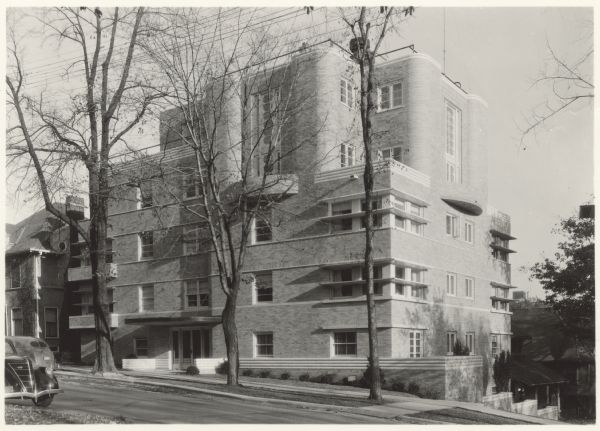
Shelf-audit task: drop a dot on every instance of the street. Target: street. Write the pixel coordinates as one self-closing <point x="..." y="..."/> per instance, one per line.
<point x="140" y="406"/>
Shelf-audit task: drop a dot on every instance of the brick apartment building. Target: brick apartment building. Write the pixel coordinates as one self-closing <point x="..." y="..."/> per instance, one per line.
<point x="441" y="253"/>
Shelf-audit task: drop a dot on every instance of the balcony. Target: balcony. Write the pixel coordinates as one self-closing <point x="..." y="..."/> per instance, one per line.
<point x="87" y="321"/>
<point x="389" y="166"/>
<point x="82" y="273"/>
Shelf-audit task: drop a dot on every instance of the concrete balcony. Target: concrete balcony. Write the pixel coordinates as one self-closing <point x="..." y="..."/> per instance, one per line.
<point x="380" y="167"/>
<point x="87" y="321"/>
<point x="85" y="272"/>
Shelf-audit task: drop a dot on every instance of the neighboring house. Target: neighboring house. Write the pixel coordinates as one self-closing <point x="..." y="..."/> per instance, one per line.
<point x="538" y="337"/>
<point x="441" y="253"/>
<point x="36" y="257"/>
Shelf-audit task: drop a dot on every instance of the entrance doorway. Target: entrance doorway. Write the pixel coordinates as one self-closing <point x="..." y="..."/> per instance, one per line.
<point x="188" y="345"/>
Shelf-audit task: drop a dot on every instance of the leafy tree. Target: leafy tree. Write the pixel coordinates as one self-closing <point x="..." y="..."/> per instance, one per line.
<point x="502" y="371"/>
<point x="568" y="279"/>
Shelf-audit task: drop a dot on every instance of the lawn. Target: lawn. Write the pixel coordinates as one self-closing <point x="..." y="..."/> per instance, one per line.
<point x="24" y="415"/>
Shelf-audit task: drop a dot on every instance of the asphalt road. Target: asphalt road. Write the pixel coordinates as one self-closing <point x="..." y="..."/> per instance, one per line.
<point x="141" y="406"/>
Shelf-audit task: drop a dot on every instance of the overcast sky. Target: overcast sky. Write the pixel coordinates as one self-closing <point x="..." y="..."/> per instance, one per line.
<point x="496" y="54"/>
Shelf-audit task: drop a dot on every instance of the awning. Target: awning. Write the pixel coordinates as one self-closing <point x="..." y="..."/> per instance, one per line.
<point x="170" y="319"/>
<point x="463" y="205"/>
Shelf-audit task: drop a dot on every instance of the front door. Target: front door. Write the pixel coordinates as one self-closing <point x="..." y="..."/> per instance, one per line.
<point x="188" y="345"/>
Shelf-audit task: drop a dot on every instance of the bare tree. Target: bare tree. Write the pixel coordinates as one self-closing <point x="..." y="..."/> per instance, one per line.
<point x="58" y="134"/>
<point x="231" y="92"/>
<point x="369" y="27"/>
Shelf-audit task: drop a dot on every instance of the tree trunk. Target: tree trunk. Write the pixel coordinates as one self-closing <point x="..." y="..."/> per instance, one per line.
<point x="231" y="339"/>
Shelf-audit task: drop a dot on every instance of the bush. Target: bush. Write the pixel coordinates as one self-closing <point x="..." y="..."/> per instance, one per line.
<point x="413" y="388"/>
<point x="459" y="349"/>
<point x="284" y="376"/>
<point x="192" y="370"/>
<point x="431" y="394"/>
<point x="502" y="371"/>
<point x="398" y="386"/>
<point x="223" y="367"/>
<point x="265" y="374"/>
<point x="248" y="373"/>
<point x="365" y="380"/>
<point x="304" y="377"/>
<point x="324" y="378"/>
<point x="131" y="356"/>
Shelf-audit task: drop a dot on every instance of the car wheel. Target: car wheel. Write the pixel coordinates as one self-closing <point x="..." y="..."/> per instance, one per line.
<point x="44" y="401"/>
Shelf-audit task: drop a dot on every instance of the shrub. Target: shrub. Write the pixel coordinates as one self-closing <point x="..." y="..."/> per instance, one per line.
<point x="326" y="378"/>
<point x="459" y="349"/>
<point x="431" y="394"/>
<point x="413" y="388"/>
<point x="192" y="370"/>
<point x="284" y="376"/>
<point x="265" y="374"/>
<point x="131" y="356"/>
<point x="304" y="377"/>
<point x="502" y="371"/>
<point x="365" y="380"/>
<point x="248" y="373"/>
<point x="398" y="386"/>
<point x="223" y="367"/>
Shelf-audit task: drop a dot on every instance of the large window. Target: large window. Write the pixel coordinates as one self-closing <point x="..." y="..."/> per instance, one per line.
<point x="146" y="245"/>
<point x="140" y="346"/>
<point x="416" y="344"/>
<point x="347" y="155"/>
<point x="346" y="93"/>
<point x="262" y="229"/>
<point x="263" y="287"/>
<point x="450" y="341"/>
<point x="344" y="343"/>
<point x="451" y="284"/>
<point x="453" y="138"/>
<point x="196" y="294"/>
<point x="51" y="322"/>
<point x="265" y="124"/>
<point x="147" y="297"/>
<point x="17" y="321"/>
<point x="390" y="96"/>
<point x="192" y="239"/>
<point x="469" y="290"/>
<point x="264" y="344"/>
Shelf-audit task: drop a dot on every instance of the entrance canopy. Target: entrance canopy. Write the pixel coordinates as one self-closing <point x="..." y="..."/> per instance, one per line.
<point x="171" y="318"/>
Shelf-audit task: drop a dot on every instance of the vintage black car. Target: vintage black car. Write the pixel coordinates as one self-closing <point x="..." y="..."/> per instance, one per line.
<point x="29" y="370"/>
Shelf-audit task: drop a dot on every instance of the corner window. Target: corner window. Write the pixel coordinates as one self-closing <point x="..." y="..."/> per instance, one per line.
<point x="450" y="342"/>
<point x="395" y="153"/>
<point x="451" y="284"/>
<point x="140" y="347"/>
<point x="263" y="345"/>
<point x="416" y="344"/>
<point x="346" y="93"/>
<point x="347" y="155"/>
<point x="390" y="96"/>
<point x="146" y="294"/>
<point x="468" y="232"/>
<point x="51" y="322"/>
<point x="263" y="287"/>
<point x="469" y="291"/>
<point x="146" y="245"/>
<point x="17" y="322"/>
<point x="344" y="343"/>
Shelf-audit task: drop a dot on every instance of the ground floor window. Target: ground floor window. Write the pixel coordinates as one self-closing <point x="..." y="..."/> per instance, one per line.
<point x="470" y="341"/>
<point x="51" y="322"/>
<point x="140" y="347"/>
<point x="344" y="343"/>
<point x="450" y="342"/>
<point x="264" y="344"/>
<point x="17" y="321"/>
<point x="495" y="345"/>
<point x="416" y="344"/>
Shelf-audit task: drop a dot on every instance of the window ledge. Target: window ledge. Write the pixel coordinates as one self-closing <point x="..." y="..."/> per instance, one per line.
<point x="500" y="311"/>
<point x="380" y="111"/>
<point x="407" y="299"/>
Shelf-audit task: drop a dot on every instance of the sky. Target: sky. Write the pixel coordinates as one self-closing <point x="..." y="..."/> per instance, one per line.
<point x="497" y="53"/>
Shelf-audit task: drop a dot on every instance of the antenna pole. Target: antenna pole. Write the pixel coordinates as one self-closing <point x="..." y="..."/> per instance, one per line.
<point x="444" y="60"/>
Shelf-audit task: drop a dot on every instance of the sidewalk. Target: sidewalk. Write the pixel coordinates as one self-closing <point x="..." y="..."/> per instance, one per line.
<point x="397" y="404"/>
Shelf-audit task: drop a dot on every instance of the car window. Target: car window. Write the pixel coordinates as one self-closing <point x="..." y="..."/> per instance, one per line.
<point x="34" y="344"/>
<point x="42" y="344"/>
<point x="8" y="348"/>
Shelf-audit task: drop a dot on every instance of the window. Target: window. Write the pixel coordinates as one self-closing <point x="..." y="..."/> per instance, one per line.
<point x="450" y="342"/>
<point x="264" y="344"/>
<point x="262" y="229"/>
<point x="144" y="196"/>
<point x="196" y="294"/>
<point x="376" y="205"/>
<point x="495" y="346"/>
<point x="193" y="238"/>
<point x="346" y="93"/>
<point x="146" y="243"/>
<point x="342" y="291"/>
<point x="51" y="322"/>
<point x="343" y="275"/>
<point x="86" y="303"/>
<point x="340" y="208"/>
<point x="13" y="280"/>
<point x="468" y="232"/>
<point x="452" y="225"/>
<point x="347" y="155"/>
<point x="263" y="287"/>
<point x="140" y="346"/>
<point x="416" y="344"/>
<point x="390" y="96"/>
<point x="451" y="284"/>
<point x="191" y="186"/>
<point x="469" y="293"/>
<point x="500" y="305"/>
<point x="110" y="292"/>
<point x="265" y="125"/>
<point x="396" y="153"/>
<point x="500" y="255"/>
<point x="17" y="321"/>
<point x="147" y="297"/>
<point x="453" y="137"/>
<point x="470" y="342"/>
<point x="344" y="343"/>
